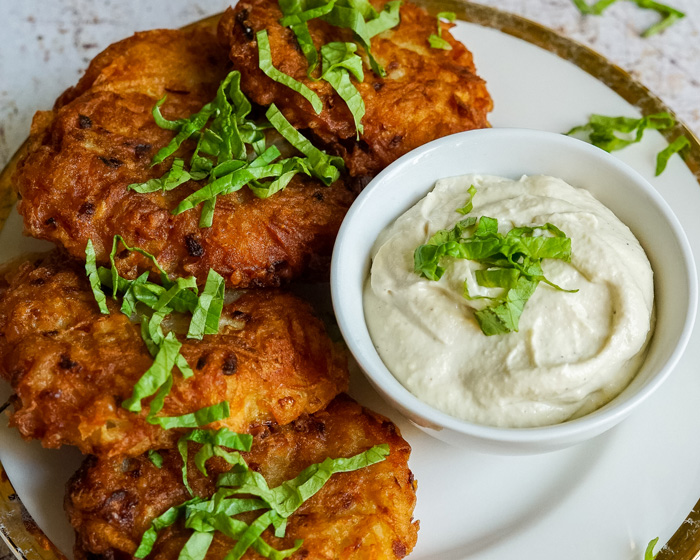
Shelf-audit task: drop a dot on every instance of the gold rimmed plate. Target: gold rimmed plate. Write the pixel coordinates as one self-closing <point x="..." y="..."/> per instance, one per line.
<point x="605" y="499"/>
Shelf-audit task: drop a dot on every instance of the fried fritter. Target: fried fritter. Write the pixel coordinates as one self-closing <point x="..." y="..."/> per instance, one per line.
<point x="101" y="137"/>
<point x="71" y="367"/>
<point x="427" y="93"/>
<point x="365" y="514"/>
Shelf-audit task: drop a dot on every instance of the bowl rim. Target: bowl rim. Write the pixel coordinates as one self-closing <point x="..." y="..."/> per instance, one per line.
<point x="593" y="423"/>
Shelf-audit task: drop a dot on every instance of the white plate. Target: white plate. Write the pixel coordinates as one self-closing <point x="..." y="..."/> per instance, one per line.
<point x="603" y="500"/>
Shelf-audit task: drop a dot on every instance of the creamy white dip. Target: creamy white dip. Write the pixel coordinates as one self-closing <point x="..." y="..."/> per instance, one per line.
<point x="573" y="352"/>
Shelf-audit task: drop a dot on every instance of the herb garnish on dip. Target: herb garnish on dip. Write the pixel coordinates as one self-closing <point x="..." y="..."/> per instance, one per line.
<point x="573" y="351"/>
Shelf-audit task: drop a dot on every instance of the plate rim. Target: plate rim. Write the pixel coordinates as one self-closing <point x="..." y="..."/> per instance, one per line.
<point x="18" y="530"/>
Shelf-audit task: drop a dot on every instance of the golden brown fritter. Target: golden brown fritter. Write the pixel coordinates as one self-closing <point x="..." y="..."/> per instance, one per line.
<point x="101" y="137"/>
<point x="365" y="514"/>
<point x="427" y="93"/>
<point x="71" y="367"/>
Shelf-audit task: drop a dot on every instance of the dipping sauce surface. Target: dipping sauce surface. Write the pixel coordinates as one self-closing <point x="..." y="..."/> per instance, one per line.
<point x="572" y="353"/>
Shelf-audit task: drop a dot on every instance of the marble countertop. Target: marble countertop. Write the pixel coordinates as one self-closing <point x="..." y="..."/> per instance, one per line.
<point x="47" y="45"/>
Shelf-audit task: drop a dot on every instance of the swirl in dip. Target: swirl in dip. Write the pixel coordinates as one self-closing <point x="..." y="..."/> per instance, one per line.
<point x="573" y="352"/>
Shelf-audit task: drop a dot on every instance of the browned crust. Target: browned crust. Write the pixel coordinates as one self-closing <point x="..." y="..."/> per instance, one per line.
<point x="366" y="514"/>
<point x="71" y="367"/>
<point x="427" y="93"/>
<point x="101" y="137"/>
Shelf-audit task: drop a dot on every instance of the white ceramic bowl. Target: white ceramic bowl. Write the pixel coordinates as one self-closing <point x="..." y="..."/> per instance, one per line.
<point x="513" y="153"/>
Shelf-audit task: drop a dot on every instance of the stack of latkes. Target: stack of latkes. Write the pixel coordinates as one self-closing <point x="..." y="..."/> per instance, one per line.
<point x="184" y="183"/>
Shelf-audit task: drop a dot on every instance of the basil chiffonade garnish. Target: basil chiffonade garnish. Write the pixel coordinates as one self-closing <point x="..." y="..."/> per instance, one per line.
<point x="602" y="131"/>
<point x="231" y="152"/>
<point x="157" y="302"/>
<point x="436" y="41"/>
<point x="669" y="15"/>
<point x="511" y="262"/>
<point x="233" y="497"/>
<point x="649" y="552"/>
<point x="339" y="59"/>
<point x="358" y="15"/>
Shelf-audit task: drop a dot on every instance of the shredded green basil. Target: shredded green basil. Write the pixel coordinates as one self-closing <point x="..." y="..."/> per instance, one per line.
<point x="158" y="301"/>
<point x="669" y="15"/>
<point x="679" y="144"/>
<point x="164" y="520"/>
<point x="365" y="22"/>
<point x="469" y="205"/>
<point x="511" y="261"/>
<point x="649" y="552"/>
<point x="196" y="546"/>
<point x="339" y="59"/>
<point x="186" y="128"/>
<point x="439" y="43"/>
<point x="357" y="15"/>
<point x="157" y="375"/>
<point x="155" y="458"/>
<point x="231" y="152"/>
<point x="339" y="62"/>
<point x="602" y="131"/>
<point x="384" y="20"/>
<point x="296" y="17"/>
<point x="321" y="165"/>
<point x="436" y="41"/>
<point x="212" y="444"/>
<point x="293" y="14"/>
<point x="175" y="177"/>
<point x="207" y="313"/>
<point x="201" y="417"/>
<point x="265" y="64"/>
<point x="93" y="277"/>
<point x="230" y="183"/>
<point x="286" y="498"/>
<point x="205" y="517"/>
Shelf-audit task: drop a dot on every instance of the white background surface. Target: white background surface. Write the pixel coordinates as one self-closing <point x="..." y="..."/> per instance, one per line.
<point x="627" y="487"/>
<point x="46" y="46"/>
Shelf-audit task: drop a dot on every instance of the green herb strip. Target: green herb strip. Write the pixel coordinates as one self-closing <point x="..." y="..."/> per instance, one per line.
<point x="157" y="375"/>
<point x="186" y="128"/>
<point x="212" y="445"/>
<point x="175" y="177"/>
<point x="228" y="184"/>
<point x="356" y="15"/>
<point x="164" y="520"/>
<point x="297" y="23"/>
<point x="601" y="131"/>
<point x="286" y="498"/>
<point x="322" y="166"/>
<point x="339" y="61"/>
<point x="161" y="300"/>
<point x="201" y="417"/>
<point x="265" y="64"/>
<point x="679" y="144"/>
<point x="296" y="18"/>
<point x="387" y="19"/>
<point x="221" y="154"/>
<point x="207" y="313"/>
<point x="669" y="15"/>
<point x="93" y="277"/>
<point x="436" y="41"/>
<point x="155" y="458"/>
<point x="205" y="517"/>
<point x="512" y="263"/>
<point x="649" y="552"/>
